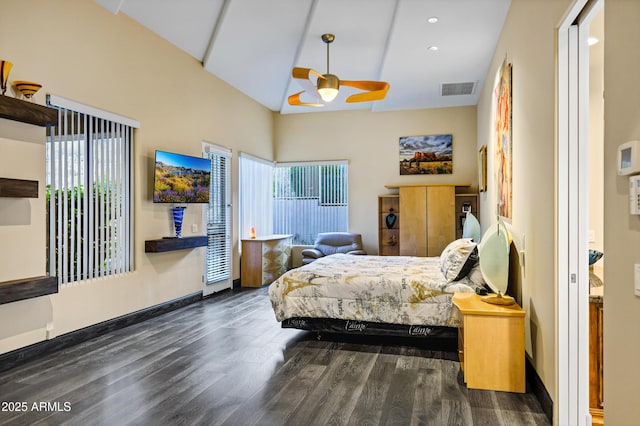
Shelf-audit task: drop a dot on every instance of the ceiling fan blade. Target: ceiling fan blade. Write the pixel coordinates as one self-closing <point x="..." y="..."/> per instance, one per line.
<point x="374" y="90"/>
<point x="304" y="73"/>
<point x="303" y="76"/>
<point x="295" y="101"/>
<point x="365" y="84"/>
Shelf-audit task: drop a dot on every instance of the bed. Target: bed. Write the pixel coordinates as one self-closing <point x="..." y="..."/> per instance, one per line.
<point x="383" y="295"/>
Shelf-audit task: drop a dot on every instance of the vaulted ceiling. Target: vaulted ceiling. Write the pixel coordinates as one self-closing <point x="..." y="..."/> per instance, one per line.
<point x="254" y="44"/>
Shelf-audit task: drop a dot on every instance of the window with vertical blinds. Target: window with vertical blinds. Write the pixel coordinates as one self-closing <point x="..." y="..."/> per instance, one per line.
<point x="310" y="198"/>
<point x="218" y="261"/>
<point x="256" y="195"/>
<point x="89" y="193"/>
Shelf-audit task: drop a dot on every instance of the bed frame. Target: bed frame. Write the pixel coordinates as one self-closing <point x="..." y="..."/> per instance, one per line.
<point x="438" y="337"/>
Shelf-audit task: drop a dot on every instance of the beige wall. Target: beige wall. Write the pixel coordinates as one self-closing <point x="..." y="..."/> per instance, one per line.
<point x="370" y="142"/>
<point x="79" y="50"/>
<point x="21" y="219"/>
<point x="528" y="42"/>
<point x="22" y="231"/>
<point x="622" y="236"/>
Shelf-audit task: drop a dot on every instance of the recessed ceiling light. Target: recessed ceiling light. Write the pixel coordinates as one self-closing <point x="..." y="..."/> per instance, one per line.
<point x="592" y="40"/>
<point x="433" y="48"/>
<point x="432" y="20"/>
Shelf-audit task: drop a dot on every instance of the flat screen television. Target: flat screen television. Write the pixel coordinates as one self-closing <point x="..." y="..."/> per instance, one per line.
<point x="181" y="178"/>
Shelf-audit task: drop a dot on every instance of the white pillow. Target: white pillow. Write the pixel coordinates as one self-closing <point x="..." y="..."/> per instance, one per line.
<point x="458" y="258"/>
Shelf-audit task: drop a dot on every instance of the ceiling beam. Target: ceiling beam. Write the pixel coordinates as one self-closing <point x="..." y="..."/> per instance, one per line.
<point x="119" y="7"/>
<point x="113" y="6"/>
<point x="307" y="25"/>
<point x="387" y="43"/>
<point x="208" y="55"/>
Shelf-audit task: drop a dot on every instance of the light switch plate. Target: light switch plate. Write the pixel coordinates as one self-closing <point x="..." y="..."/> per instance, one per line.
<point x="194" y="228"/>
<point x="636" y="279"/>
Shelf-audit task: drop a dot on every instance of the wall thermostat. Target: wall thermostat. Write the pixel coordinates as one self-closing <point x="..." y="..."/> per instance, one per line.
<point x="629" y="158"/>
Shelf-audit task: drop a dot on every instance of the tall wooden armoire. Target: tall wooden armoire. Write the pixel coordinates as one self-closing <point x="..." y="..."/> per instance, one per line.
<point x="428" y="219"/>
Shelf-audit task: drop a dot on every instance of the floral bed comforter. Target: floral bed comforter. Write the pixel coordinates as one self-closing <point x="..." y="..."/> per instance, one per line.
<point x="385" y="289"/>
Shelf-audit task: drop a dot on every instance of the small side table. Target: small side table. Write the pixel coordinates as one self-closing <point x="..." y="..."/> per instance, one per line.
<point x="491" y="344"/>
<point x="264" y="259"/>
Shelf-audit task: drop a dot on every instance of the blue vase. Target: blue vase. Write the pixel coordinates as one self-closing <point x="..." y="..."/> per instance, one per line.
<point x="390" y="220"/>
<point x="178" y="215"/>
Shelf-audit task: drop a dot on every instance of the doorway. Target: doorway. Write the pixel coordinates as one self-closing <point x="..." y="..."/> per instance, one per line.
<point x="596" y="216"/>
<point x="217" y="274"/>
<point x="572" y="213"/>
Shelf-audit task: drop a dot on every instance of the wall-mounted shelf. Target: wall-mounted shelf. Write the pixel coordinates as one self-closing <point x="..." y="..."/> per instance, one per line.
<point x="27" y="112"/>
<point x="26" y="288"/>
<point x="170" y="244"/>
<point x="388" y="238"/>
<point x="18" y="188"/>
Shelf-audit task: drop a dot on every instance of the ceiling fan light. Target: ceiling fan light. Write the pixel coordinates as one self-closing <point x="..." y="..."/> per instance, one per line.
<point x="328" y="94"/>
<point x="328" y="87"/>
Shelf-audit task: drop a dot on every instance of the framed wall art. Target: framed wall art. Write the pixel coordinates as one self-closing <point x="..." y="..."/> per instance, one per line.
<point x="426" y="155"/>
<point x="482" y="169"/>
<point x="503" y="140"/>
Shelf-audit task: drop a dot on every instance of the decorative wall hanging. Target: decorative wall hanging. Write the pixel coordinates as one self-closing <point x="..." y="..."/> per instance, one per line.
<point x="426" y="155"/>
<point x="503" y="140"/>
<point x="482" y="169"/>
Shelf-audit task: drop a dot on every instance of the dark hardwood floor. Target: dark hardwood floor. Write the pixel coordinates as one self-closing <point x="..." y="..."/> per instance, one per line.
<point x="226" y="361"/>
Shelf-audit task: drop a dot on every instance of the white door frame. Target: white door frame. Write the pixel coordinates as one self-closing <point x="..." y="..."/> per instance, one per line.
<point x="572" y="214"/>
<point x="209" y="288"/>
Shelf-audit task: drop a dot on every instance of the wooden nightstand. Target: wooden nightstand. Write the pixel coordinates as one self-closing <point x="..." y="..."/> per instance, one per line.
<point x="491" y="344"/>
<point x="264" y="259"/>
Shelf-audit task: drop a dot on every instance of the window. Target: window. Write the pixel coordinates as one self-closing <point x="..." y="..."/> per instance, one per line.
<point x="89" y="192"/>
<point x="218" y="260"/>
<point x="256" y="195"/>
<point x="310" y="198"/>
<point x="301" y="199"/>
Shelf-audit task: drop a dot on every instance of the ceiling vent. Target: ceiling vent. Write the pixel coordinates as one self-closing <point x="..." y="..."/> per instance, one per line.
<point x="455" y="89"/>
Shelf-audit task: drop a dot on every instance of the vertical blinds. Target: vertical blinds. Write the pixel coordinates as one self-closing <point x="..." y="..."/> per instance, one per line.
<point x="256" y="195"/>
<point x="89" y="194"/>
<point x="218" y="262"/>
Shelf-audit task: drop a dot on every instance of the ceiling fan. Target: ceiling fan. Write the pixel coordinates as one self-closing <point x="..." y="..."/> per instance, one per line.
<point x="327" y="85"/>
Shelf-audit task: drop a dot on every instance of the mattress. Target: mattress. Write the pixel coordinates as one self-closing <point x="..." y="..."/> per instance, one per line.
<point x="381" y="289"/>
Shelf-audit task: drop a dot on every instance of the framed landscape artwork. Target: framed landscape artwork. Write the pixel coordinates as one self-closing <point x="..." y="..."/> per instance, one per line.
<point x="482" y="169"/>
<point x="503" y="141"/>
<point x="426" y="155"/>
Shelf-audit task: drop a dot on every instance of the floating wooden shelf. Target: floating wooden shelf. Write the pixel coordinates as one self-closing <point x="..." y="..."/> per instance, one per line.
<point x="170" y="244"/>
<point x="26" y="288"/>
<point x="18" y="188"/>
<point x="27" y="112"/>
